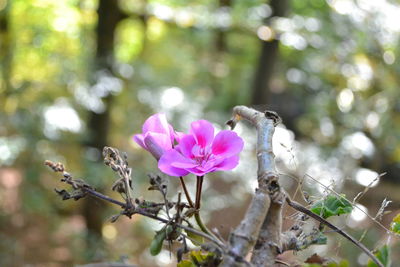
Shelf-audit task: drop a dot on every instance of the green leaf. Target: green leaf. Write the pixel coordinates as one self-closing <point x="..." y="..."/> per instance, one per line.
<point x="197" y="240"/>
<point x="321" y="239"/>
<point x="383" y="255"/>
<point x="343" y="263"/>
<point x="198" y="256"/>
<point x="186" y="263"/>
<point x="395" y="225"/>
<point x="158" y="240"/>
<point x="332" y="205"/>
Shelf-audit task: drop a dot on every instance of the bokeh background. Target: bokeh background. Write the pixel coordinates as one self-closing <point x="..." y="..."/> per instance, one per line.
<point x="79" y="75"/>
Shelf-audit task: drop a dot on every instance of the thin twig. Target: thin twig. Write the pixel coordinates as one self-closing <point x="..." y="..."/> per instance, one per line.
<point x="301" y="208"/>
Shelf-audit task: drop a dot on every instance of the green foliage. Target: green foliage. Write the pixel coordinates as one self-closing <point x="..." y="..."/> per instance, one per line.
<point x="197" y="240"/>
<point x="395" y="225"/>
<point x="332" y="205"/>
<point x="199" y="258"/>
<point x="158" y="240"/>
<point x="383" y="255"/>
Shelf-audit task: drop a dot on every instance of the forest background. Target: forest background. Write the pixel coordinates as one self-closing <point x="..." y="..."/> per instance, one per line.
<point x="79" y="75"/>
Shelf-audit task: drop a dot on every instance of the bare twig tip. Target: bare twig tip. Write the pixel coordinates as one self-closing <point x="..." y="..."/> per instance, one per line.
<point x="269" y="114"/>
<point x="56" y="167"/>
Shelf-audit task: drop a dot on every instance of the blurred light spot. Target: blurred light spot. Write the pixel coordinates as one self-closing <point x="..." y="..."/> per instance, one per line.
<point x="363" y="259"/>
<point x="84" y="97"/>
<point x="342" y="6"/>
<point x="61" y="116"/>
<point x="184" y="18"/>
<point x="381" y="104"/>
<point x="345" y="100"/>
<point x="265" y="33"/>
<point x="172" y="97"/>
<point x="282" y="144"/>
<point x="363" y="67"/>
<point x="358" y="213"/>
<point x="145" y="96"/>
<point x="283" y="24"/>
<point x="223" y="17"/>
<point x="316" y="41"/>
<point x="312" y="24"/>
<point x="262" y="11"/>
<point x="125" y="70"/>
<point x="367" y="177"/>
<point x="10" y="178"/>
<point x="389" y="57"/>
<point x="293" y="39"/>
<point x="162" y="12"/>
<point x="326" y="126"/>
<point x="372" y="120"/>
<point x="156" y="29"/>
<point x="347" y="70"/>
<point x="314" y="82"/>
<point x="357" y="83"/>
<point x="358" y="144"/>
<point x="295" y="75"/>
<point x="106" y="84"/>
<point x="109" y="231"/>
<point x="164" y="258"/>
<point x="10" y="147"/>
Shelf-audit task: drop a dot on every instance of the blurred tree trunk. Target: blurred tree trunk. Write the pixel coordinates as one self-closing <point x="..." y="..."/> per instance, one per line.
<point x="218" y="62"/>
<point x="109" y="15"/>
<point x="264" y="97"/>
<point x="267" y="59"/>
<point x="5" y="49"/>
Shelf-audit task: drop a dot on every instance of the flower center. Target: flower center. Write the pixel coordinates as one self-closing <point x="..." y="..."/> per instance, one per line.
<point x="201" y="154"/>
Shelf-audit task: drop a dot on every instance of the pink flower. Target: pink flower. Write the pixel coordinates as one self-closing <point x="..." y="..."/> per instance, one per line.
<point x="158" y="135"/>
<point x="199" y="152"/>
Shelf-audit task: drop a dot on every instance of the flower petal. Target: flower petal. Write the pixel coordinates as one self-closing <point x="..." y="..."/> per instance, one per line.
<point x="178" y="136"/>
<point x="198" y="171"/>
<point x="157" y="143"/>
<point x="157" y="123"/>
<point x="203" y="132"/>
<point x="138" y="138"/>
<point x="228" y="164"/>
<point x="165" y="164"/>
<point x="186" y="145"/>
<point x="227" y="143"/>
<point x="184" y="165"/>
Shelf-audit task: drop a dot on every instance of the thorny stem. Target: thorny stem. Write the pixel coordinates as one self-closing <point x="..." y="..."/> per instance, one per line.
<point x="189" y="199"/>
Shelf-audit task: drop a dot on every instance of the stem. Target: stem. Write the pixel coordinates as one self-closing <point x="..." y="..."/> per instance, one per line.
<point x="189" y="199"/>
<point x="199" y="186"/>
<point x="200" y="223"/>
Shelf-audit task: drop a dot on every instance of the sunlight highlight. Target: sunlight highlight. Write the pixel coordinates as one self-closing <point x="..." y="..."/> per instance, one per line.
<point x="367" y="177"/>
<point x="172" y="97"/>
